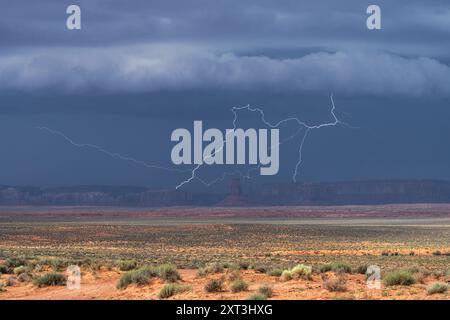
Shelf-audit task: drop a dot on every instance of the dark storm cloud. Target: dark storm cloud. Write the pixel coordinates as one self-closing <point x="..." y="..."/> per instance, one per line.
<point x="223" y="23"/>
<point x="148" y="69"/>
<point x="170" y="45"/>
<point x="139" y="69"/>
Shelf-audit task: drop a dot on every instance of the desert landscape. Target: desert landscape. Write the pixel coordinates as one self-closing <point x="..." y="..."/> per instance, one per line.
<point x="226" y="253"/>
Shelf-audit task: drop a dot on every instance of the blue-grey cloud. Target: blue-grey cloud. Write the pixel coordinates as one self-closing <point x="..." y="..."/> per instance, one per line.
<point x="175" y="67"/>
<point x="300" y="46"/>
<point x="408" y="25"/>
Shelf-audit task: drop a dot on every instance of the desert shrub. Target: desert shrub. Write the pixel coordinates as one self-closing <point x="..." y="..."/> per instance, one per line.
<point x="336" y="267"/>
<point x="20" y="270"/>
<point x="286" y="275"/>
<point x="414" y="269"/>
<point x="50" y="279"/>
<point x="109" y="266"/>
<point x="341" y="267"/>
<point x="438" y="273"/>
<point x="385" y="253"/>
<point x="243" y="265"/>
<point x="238" y="285"/>
<point x="427" y="272"/>
<point x="44" y="261"/>
<point x="394" y="278"/>
<point x="58" y="264"/>
<point x="301" y="271"/>
<point x="265" y="290"/>
<point x="260" y="269"/>
<point x="214" y="285"/>
<point x="31" y="265"/>
<point x="15" y="262"/>
<point x="257" y="296"/>
<point x="420" y="277"/>
<point x="140" y="277"/>
<point x="192" y="264"/>
<point x="275" y="272"/>
<point x="79" y="262"/>
<point x="215" y="267"/>
<point x="4" y="269"/>
<point x="437" y="288"/>
<point x="201" y="272"/>
<point x="55" y="264"/>
<point x="412" y="253"/>
<point x="171" y="289"/>
<point x="231" y="265"/>
<point x="167" y="291"/>
<point x="362" y="269"/>
<point x="126" y="265"/>
<point x="38" y="268"/>
<point x="94" y="266"/>
<point x="125" y="280"/>
<point x="10" y="282"/>
<point x="325" y="268"/>
<point x="2" y="287"/>
<point x="234" y="275"/>
<point x="168" y="273"/>
<point x="24" y="277"/>
<point x="337" y="284"/>
<point x="143" y="275"/>
<point x="437" y="253"/>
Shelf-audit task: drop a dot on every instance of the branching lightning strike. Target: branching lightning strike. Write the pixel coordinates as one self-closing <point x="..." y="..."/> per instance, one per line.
<point x="302" y="126"/>
<point x="114" y="155"/>
<point x="193" y="172"/>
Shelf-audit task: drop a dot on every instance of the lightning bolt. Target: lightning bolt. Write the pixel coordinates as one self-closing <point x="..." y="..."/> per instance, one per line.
<point x="111" y="154"/>
<point x="237" y="172"/>
<point x="302" y="126"/>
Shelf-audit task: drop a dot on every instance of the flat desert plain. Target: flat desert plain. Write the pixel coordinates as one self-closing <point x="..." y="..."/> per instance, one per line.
<point x="226" y="253"/>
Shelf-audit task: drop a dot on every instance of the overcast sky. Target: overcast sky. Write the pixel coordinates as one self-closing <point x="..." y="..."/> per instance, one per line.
<point x="138" y="70"/>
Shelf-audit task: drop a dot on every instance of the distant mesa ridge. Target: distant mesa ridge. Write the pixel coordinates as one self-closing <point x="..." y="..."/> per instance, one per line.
<point x="279" y="194"/>
<point x="235" y="197"/>
<point x="354" y="192"/>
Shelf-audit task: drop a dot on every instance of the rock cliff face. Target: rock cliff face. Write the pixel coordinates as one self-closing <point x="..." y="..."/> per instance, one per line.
<point x="236" y="197"/>
<point x="104" y="196"/>
<point x="288" y="194"/>
<point x="354" y="192"/>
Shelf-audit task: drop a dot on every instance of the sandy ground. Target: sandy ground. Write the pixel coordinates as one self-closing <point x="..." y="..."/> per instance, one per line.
<point x="102" y="286"/>
<point x="86" y="213"/>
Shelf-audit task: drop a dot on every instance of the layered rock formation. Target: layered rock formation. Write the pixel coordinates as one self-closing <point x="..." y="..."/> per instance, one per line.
<point x="287" y="194"/>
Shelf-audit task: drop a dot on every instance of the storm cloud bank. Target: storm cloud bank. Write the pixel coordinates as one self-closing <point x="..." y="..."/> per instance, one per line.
<point x="284" y="46"/>
<point x="152" y="68"/>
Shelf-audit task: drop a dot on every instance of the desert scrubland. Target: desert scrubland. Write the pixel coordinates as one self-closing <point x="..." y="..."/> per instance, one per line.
<point x="232" y="253"/>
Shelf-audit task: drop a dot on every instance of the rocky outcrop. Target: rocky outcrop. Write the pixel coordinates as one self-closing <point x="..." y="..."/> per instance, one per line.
<point x="353" y="192"/>
<point x="287" y="194"/>
<point x="236" y="198"/>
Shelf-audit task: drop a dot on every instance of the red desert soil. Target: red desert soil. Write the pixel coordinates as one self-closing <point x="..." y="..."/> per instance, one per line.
<point x="348" y="211"/>
<point x="103" y="286"/>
